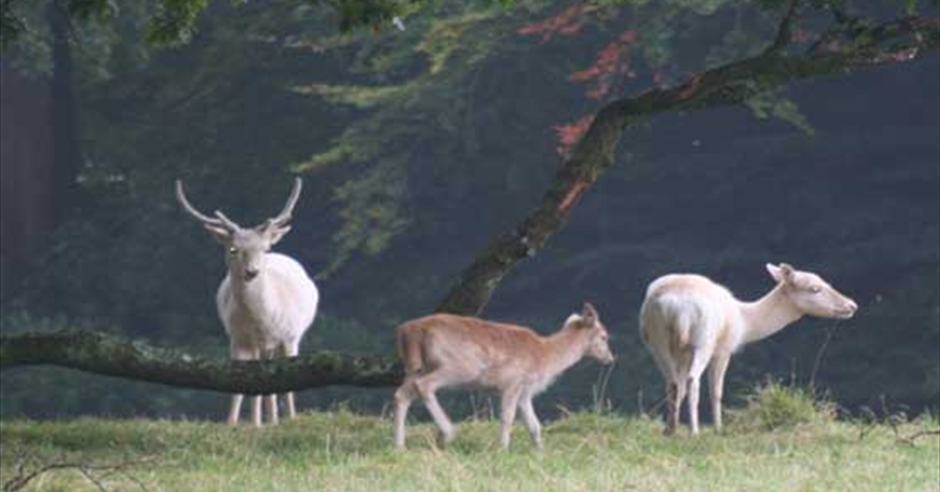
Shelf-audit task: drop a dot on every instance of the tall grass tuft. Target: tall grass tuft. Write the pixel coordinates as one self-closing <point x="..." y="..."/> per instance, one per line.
<point x="774" y="406"/>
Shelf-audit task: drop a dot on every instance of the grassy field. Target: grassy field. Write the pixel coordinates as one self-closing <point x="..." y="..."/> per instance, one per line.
<point x="767" y="447"/>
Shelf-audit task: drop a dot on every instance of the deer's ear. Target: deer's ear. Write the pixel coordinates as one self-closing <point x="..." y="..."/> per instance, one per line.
<point x="223" y="236"/>
<point x="276" y="233"/>
<point x="782" y="273"/>
<point x="589" y="314"/>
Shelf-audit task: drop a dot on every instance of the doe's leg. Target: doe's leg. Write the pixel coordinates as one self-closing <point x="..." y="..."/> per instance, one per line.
<point x="675" y="393"/>
<point x="716" y="380"/>
<point x="700" y="359"/>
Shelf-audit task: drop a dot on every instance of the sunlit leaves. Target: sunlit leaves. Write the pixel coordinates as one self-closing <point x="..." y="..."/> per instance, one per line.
<point x="773" y="104"/>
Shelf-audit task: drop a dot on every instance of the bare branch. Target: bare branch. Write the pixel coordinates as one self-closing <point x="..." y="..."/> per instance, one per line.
<point x="785" y="29"/>
<point x="819" y="355"/>
<point x="91" y="472"/>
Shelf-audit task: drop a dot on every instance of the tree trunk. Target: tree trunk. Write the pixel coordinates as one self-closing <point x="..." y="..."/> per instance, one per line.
<point x="66" y="136"/>
<point x="26" y="171"/>
<point x="40" y="153"/>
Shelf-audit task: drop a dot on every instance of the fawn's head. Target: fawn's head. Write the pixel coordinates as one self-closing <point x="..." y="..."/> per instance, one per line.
<point x="589" y="321"/>
<point x="810" y="294"/>
<point x="245" y="247"/>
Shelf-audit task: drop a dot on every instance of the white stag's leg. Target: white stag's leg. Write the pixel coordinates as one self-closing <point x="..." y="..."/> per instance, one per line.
<point x="271" y="400"/>
<point x="405" y="394"/>
<point x="716" y="379"/>
<point x="509" y="401"/>
<point x="700" y="360"/>
<point x="426" y="386"/>
<point x="531" y="420"/>
<point x="290" y="350"/>
<point x="237" y="353"/>
<point x="256" y="400"/>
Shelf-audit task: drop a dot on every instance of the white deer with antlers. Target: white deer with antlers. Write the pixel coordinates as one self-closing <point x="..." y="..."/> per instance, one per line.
<point x="266" y="301"/>
<point x="690" y="323"/>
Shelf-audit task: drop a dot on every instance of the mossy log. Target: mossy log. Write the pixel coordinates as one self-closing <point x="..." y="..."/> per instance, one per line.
<point x="101" y="353"/>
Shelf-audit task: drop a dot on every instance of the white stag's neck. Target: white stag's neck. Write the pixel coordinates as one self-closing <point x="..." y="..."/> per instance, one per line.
<point x="768" y="315"/>
<point x="254" y="296"/>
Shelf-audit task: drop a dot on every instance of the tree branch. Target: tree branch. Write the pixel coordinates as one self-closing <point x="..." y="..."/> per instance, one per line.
<point x="730" y="84"/>
<point x="785" y="30"/>
<point x="104" y="354"/>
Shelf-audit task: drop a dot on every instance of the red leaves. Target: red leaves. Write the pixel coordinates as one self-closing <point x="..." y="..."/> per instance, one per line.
<point x="570" y="134"/>
<point x="569" y="22"/>
<point x="612" y="61"/>
<point x="611" y="65"/>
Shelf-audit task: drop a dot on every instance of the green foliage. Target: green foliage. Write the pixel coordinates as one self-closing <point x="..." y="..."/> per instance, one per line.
<point x="774" y="406"/>
<point x="774" y="104"/>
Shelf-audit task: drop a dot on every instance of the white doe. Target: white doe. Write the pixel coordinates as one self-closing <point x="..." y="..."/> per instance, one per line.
<point x="688" y="322"/>
<point x="266" y="301"/>
<point x="444" y="350"/>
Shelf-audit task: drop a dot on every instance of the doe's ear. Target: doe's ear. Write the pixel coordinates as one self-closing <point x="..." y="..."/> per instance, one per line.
<point x="782" y="273"/>
<point x="589" y="314"/>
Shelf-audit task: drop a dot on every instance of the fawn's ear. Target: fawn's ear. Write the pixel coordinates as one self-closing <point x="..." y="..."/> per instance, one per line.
<point x="589" y="314"/>
<point x="782" y="273"/>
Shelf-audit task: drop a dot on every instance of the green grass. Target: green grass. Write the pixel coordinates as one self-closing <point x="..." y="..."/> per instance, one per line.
<point x="342" y="451"/>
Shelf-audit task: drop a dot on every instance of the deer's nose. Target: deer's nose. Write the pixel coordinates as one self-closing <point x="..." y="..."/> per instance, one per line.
<point x="251" y="273"/>
<point x="853" y="306"/>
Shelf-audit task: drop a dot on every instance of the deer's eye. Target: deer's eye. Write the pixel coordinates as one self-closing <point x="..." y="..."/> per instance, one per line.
<point x="815" y="289"/>
<point x="232" y="250"/>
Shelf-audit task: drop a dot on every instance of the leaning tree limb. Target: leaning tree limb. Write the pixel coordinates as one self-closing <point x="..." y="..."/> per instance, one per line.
<point x="734" y="83"/>
<point x="105" y="354"/>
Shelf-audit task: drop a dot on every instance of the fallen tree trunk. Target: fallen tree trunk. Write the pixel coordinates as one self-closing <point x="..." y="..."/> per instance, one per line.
<point x="105" y="354"/>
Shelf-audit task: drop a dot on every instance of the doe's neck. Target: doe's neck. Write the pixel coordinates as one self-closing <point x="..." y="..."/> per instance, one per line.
<point x="768" y="315"/>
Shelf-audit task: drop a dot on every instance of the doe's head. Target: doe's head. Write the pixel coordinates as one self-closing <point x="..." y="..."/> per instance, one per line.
<point x="598" y="346"/>
<point x="810" y="294"/>
<point x="245" y="247"/>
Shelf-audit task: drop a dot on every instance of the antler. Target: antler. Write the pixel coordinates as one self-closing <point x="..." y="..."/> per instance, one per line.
<point x="220" y="221"/>
<point x="284" y="216"/>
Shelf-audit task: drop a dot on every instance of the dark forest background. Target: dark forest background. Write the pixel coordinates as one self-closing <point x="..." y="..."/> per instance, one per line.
<point x="418" y="147"/>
